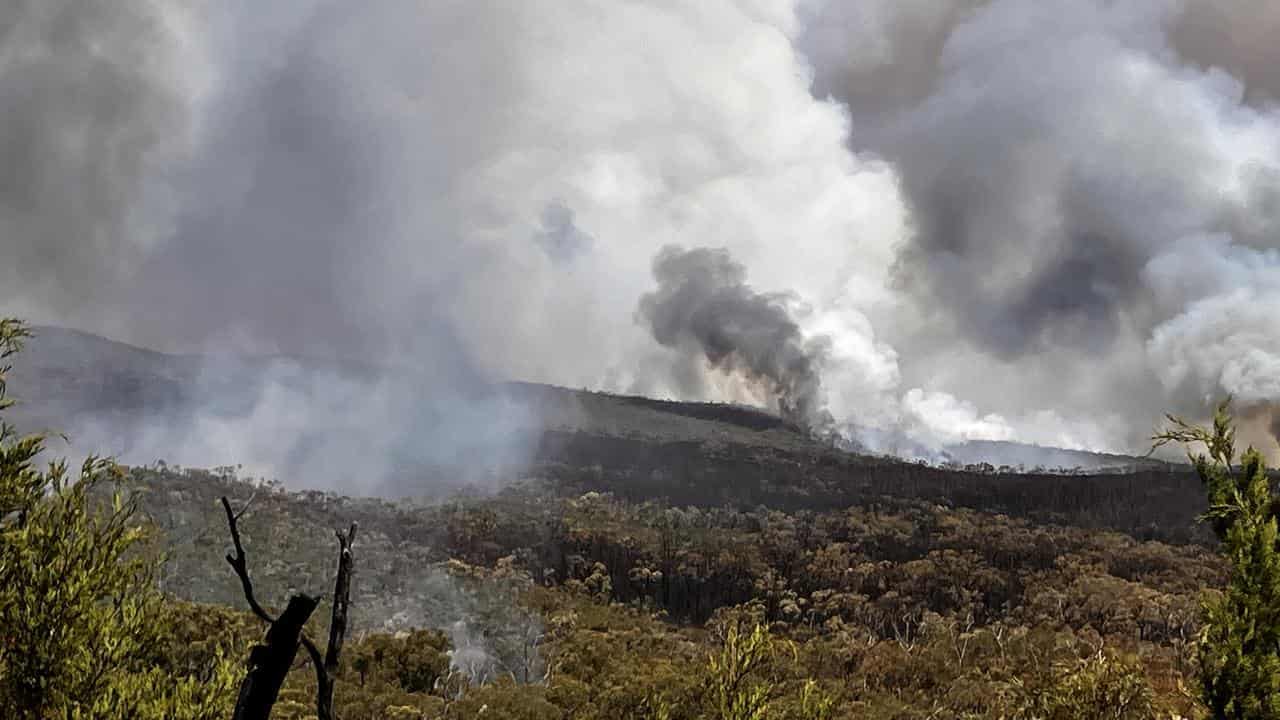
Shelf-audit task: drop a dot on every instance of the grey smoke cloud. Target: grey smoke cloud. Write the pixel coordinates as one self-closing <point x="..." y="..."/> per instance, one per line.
<point x="94" y="100"/>
<point x="1087" y="182"/>
<point x="360" y="185"/>
<point x="1009" y="220"/>
<point x="558" y="236"/>
<point x="704" y="306"/>
<point x="1237" y="36"/>
<point x="307" y="220"/>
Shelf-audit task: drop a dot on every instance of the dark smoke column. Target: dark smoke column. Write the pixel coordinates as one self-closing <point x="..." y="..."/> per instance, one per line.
<point x="703" y="307"/>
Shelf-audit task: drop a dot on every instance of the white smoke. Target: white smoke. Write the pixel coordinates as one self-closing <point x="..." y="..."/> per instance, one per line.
<point x="994" y="214"/>
<point x="1084" y="179"/>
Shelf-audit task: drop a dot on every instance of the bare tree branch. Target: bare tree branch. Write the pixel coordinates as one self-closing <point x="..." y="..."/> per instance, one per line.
<point x="247" y="504"/>
<point x="341" y="599"/>
<point x="240" y="564"/>
<point x="324" y="683"/>
<point x="270" y="663"/>
<point x="327" y="674"/>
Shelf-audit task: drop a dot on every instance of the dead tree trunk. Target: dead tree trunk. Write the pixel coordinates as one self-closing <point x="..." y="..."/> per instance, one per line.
<point x="270" y="662"/>
<point x="327" y="670"/>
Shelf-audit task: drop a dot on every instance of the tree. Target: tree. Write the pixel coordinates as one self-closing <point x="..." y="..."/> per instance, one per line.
<point x="1100" y="687"/>
<point x="270" y="662"/>
<point x="1240" y="646"/>
<point x="78" y="610"/>
<point x="737" y="693"/>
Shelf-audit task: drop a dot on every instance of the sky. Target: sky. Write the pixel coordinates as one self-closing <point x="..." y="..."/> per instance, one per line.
<point x="907" y="220"/>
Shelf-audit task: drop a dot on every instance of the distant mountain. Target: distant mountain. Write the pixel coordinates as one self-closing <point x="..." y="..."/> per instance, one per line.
<point x="71" y="380"/>
<point x="363" y="432"/>
<point x="64" y="378"/>
<point x="1029" y="457"/>
<point x="64" y="374"/>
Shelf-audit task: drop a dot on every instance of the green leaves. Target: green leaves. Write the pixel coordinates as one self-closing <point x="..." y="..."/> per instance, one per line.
<point x="12" y="334"/>
<point x="739" y="691"/>
<point x="1219" y="441"/>
<point x="77" y="605"/>
<point x="1100" y="687"/>
<point x="1240" y="640"/>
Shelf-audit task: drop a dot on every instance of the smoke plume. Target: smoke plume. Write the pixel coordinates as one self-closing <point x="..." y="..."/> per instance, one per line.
<point x="1092" y="191"/>
<point x="1045" y="222"/>
<point x="96" y="105"/>
<point x="704" y="307"/>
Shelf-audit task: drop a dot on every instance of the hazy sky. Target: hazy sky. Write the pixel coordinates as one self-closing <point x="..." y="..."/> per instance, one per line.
<point x="1039" y="220"/>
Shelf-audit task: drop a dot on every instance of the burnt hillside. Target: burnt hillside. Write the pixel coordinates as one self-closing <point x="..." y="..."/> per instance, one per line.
<point x="704" y="454"/>
<point x="1149" y="504"/>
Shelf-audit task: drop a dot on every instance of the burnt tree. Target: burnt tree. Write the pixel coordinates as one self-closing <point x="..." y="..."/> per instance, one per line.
<point x="269" y="663"/>
<point x="327" y="670"/>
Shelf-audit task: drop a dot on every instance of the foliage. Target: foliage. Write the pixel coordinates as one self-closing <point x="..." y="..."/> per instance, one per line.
<point x="738" y="691"/>
<point x="592" y="605"/>
<point x="1099" y="687"/>
<point x="1240" y="649"/>
<point x="382" y="675"/>
<point x="814" y="703"/>
<point x="897" y="609"/>
<point x="78" y="612"/>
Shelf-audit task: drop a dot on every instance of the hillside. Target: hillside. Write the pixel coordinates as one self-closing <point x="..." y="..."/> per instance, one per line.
<point x="108" y="395"/>
<point x="899" y="609"/>
<point x="596" y="578"/>
<point x="68" y="376"/>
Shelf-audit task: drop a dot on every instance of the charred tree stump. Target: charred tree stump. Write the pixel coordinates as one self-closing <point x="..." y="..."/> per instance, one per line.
<point x="270" y="662"/>
<point x="327" y="669"/>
